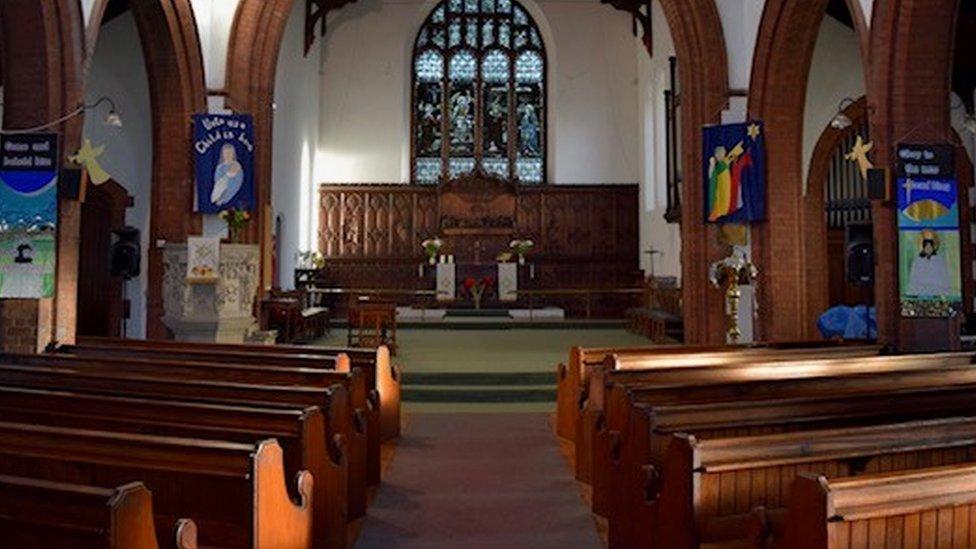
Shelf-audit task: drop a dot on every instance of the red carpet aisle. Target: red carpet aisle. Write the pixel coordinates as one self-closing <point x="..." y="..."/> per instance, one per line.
<point x="478" y="481"/>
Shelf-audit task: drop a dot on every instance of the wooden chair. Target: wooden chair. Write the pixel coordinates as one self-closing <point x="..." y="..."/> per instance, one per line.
<point x="296" y="315"/>
<point x="372" y="323"/>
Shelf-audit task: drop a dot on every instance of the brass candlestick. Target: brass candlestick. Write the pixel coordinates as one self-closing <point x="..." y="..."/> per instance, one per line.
<point x="730" y="273"/>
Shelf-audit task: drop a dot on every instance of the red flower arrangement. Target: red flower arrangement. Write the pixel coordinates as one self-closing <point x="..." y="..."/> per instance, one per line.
<point x="477" y="289"/>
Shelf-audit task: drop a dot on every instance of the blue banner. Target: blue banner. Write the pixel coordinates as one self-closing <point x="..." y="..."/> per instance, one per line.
<point x="735" y="173"/>
<point x="28" y="215"/>
<point x="223" y="146"/>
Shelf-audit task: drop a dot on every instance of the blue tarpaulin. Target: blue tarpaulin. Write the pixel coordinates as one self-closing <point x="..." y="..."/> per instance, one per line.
<point x="860" y="322"/>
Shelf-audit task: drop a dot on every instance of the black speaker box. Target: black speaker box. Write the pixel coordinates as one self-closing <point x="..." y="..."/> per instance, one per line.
<point x="126" y="253"/>
<point x="859" y="249"/>
<point x="878" y="187"/>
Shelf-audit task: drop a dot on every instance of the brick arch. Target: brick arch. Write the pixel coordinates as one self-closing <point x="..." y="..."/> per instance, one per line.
<point x="791" y="263"/>
<point x="42" y="48"/>
<point x="912" y="42"/>
<point x="696" y="31"/>
<point x="252" y="63"/>
<point x="177" y="90"/>
<point x="815" y="201"/>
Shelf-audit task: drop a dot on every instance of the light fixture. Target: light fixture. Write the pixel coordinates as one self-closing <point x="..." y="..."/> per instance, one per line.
<point x="841" y="121"/>
<point x="968" y="119"/>
<point x="969" y="123"/>
<point x="112" y="119"/>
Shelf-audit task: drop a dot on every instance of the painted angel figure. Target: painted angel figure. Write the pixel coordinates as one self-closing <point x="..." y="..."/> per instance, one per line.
<point x="228" y="176"/>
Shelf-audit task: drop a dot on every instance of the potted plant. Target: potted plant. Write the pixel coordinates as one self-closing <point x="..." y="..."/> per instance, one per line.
<point x="237" y="221"/>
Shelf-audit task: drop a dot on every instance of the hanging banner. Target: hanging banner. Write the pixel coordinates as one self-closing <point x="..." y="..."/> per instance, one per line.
<point x="930" y="264"/>
<point x="735" y="173"/>
<point x="223" y="146"/>
<point x="28" y="215"/>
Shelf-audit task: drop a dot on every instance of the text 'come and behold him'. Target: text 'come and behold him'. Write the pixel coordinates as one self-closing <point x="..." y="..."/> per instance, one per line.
<point x="28" y="215"/>
<point x="223" y="146"/>
<point x="735" y="173"/>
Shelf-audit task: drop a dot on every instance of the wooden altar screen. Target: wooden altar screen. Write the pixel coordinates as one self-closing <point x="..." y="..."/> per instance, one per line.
<point x="586" y="236"/>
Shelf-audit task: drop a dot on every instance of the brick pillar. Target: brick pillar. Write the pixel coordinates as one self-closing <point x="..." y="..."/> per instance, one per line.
<point x="18" y="325"/>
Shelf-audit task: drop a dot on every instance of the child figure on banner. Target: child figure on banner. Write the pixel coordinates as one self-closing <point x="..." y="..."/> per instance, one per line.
<point x="228" y="176"/>
<point x="929" y="274"/>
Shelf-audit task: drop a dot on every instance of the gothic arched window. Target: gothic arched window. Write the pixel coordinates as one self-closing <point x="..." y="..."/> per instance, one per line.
<point x="479" y="89"/>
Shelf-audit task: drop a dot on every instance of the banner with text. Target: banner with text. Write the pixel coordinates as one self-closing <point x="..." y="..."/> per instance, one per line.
<point x="28" y="215"/>
<point x="929" y="243"/>
<point x="223" y="146"/>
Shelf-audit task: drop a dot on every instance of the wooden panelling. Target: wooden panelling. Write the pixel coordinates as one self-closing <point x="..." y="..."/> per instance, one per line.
<point x="586" y="236"/>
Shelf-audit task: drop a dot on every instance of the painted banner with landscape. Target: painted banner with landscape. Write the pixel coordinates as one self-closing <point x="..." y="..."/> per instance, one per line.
<point x="28" y="215"/>
<point x="930" y="260"/>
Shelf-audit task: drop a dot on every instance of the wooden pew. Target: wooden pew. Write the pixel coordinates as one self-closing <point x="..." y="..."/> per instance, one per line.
<point x="40" y="513"/>
<point x="633" y="367"/>
<point x="625" y="446"/>
<point x="365" y="453"/>
<point x="300" y="433"/>
<point x="206" y="390"/>
<point x="625" y="496"/>
<point x="710" y="489"/>
<point x="933" y="507"/>
<point x="235" y="493"/>
<point x="573" y="381"/>
<point x="382" y="374"/>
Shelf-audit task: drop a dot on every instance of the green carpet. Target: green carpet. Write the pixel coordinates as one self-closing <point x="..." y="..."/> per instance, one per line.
<point x="500" y="370"/>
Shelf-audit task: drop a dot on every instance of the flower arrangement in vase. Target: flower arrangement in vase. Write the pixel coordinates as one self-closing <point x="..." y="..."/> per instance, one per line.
<point x="310" y="260"/>
<point x="237" y="221"/>
<point x="478" y="289"/>
<point x="521" y="247"/>
<point x="432" y="246"/>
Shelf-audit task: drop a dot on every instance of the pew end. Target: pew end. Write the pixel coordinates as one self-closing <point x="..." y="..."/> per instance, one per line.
<point x="279" y="522"/>
<point x="186" y="534"/>
<point x="388" y="379"/>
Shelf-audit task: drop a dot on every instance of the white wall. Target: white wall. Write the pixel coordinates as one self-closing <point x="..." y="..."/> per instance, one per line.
<point x="296" y="132"/>
<point x="835" y="73"/>
<point x="655" y="232"/>
<point x="119" y="72"/>
<point x="593" y="107"/>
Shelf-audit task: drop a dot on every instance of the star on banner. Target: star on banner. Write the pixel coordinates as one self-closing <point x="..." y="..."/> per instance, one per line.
<point x="753" y="131"/>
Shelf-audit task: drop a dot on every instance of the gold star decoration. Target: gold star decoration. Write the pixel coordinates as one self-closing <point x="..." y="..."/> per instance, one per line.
<point x="87" y="157"/>
<point x="859" y="154"/>
<point x="754" y="130"/>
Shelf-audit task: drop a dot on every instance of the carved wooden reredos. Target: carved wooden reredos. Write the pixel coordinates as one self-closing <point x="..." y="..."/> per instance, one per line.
<point x="477" y="201"/>
<point x="585" y="235"/>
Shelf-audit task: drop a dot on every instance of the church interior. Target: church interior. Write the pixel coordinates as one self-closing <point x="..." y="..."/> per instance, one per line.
<point x="488" y="273"/>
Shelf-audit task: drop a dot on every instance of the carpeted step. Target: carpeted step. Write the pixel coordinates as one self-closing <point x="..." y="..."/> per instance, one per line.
<point x="476" y="394"/>
<point x="478" y="378"/>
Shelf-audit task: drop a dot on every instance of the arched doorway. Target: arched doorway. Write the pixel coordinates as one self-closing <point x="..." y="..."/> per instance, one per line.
<point x="786" y="248"/>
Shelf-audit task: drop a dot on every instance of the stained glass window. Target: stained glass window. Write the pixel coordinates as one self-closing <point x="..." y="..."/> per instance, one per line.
<point x="479" y="91"/>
